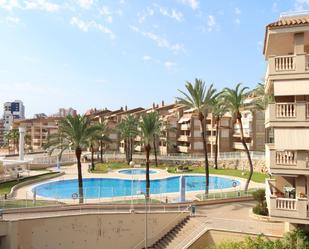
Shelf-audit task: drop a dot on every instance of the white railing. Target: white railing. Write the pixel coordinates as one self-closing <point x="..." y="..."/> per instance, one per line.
<point x="286" y="203"/>
<point x="183" y="138"/>
<point x="183" y="148"/>
<point x="285" y="63"/>
<point x="285" y="110"/>
<point x="286" y="157"/>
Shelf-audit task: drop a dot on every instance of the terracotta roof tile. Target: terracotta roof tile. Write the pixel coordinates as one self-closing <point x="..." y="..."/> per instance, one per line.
<point x="297" y="20"/>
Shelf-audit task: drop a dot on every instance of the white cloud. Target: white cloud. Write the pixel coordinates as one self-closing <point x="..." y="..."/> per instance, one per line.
<point x="275" y="7"/>
<point x="108" y="14"/>
<point x="12" y="19"/>
<point x="86" y="25"/>
<point x="169" y="65"/>
<point x="160" y="41"/>
<point x="144" y="14"/>
<point x="86" y="4"/>
<point x="41" y="5"/>
<point x="211" y="22"/>
<point x="174" y="14"/>
<point x="194" y="4"/>
<point x="9" y="4"/>
<point x="146" y="58"/>
<point x="237" y="21"/>
<point x="300" y="4"/>
<point x="237" y="11"/>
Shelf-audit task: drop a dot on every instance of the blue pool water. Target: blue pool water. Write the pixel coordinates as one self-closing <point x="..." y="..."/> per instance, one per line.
<point x="136" y="171"/>
<point x="107" y="187"/>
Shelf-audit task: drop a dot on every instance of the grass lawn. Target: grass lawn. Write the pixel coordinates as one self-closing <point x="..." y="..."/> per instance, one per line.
<point x="227" y="194"/>
<point x="257" y="177"/>
<point x="26" y="203"/>
<point x="5" y="187"/>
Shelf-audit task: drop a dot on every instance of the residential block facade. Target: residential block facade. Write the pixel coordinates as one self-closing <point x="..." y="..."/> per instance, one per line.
<point x="287" y="118"/>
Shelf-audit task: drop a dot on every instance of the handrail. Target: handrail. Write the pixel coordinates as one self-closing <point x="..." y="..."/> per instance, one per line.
<point x="143" y="241"/>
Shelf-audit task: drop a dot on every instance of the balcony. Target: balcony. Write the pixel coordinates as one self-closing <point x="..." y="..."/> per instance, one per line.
<point x="239" y="146"/>
<point x="288" y="64"/>
<point x="287" y="112"/>
<point x="283" y="208"/>
<point x="287" y="162"/>
<point x="183" y="149"/>
<point x="185" y="127"/>
<point x="183" y="138"/>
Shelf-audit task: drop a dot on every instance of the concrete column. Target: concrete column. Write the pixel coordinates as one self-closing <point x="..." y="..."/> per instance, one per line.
<point x="22" y="132"/>
<point x="299" y="44"/>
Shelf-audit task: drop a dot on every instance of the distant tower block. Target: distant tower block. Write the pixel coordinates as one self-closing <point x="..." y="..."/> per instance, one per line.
<point x="22" y="132"/>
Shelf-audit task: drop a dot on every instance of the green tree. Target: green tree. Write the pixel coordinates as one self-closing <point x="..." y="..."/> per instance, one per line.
<point x="219" y="109"/>
<point x="262" y="99"/>
<point x="234" y="99"/>
<point x="200" y="98"/>
<point x="103" y="138"/>
<point x="149" y="126"/>
<point x="74" y="133"/>
<point x="128" y="129"/>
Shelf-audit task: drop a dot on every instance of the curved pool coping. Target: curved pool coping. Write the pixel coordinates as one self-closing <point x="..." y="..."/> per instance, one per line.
<point x="155" y="171"/>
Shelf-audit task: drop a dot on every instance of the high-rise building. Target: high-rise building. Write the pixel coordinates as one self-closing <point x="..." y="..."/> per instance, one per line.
<point x="12" y="111"/>
<point x="286" y="50"/>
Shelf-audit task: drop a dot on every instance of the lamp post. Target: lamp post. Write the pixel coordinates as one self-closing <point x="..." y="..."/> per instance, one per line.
<point x="146" y="219"/>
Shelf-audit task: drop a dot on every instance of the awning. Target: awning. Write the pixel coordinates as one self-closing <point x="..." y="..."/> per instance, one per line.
<point x="291" y="87"/>
<point x="184" y="119"/>
<point x="291" y="139"/>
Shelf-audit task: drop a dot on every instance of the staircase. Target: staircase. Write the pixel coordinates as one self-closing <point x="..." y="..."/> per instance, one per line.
<point x="181" y="233"/>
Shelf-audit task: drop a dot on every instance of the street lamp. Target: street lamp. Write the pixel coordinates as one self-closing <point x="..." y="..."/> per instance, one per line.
<point x="146" y="217"/>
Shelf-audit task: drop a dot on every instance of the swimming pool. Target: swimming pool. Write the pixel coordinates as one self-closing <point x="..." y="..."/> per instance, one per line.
<point x="136" y="171"/>
<point x="115" y="187"/>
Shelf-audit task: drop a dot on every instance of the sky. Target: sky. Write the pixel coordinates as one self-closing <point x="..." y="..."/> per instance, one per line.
<point x="95" y="54"/>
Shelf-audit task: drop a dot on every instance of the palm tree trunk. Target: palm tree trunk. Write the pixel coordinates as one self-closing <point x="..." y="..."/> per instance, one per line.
<point x="201" y="118"/>
<point x="101" y="151"/>
<point x="217" y="143"/>
<point x="92" y="159"/>
<point x="247" y="151"/>
<point x="131" y="148"/>
<point x="147" y="150"/>
<point x="155" y="150"/>
<point x="78" y="153"/>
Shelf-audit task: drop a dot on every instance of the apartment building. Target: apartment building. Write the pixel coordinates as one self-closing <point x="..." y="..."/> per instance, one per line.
<point x="189" y="138"/>
<point x="37" y="131"/>
<point x="286" y="50"/>
<point x="253" y="122"/>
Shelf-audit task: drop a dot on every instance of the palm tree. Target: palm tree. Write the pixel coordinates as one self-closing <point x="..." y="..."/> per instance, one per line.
<point x="218" y="109"/>
<point x="74" y="133"/>
<point x="262" y="99"/>
<point x="234" y="99"/>
<point x="156" y="137"/>
<point x="200" y="98"/>
<point x="98" y="139"/>
<point x="149" y="126"/>
<point x="128" y="129"/>
<point x="103" y="138"/>
<point x="13" y="135"/>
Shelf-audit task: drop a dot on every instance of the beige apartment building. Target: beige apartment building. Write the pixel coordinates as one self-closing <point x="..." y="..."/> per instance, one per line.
<point x="287" y="119"/>
<point x="37" y="131"/>
<point x="189" y="139"/>
<point x="253" y="122"/>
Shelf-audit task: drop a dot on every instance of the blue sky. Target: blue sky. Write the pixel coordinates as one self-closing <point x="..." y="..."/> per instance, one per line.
<point x="93" y="53"/>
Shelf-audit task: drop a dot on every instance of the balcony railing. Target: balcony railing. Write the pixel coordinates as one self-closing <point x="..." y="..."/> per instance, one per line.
<point x="285" y="63"/>
<point x="286" y="203"/>
<point x="183" y="138"/>
<point x="286" y="157"/>
<point x="285" y="110"/>
<point x="183" y="149"/>
<point x="185" y="127"/>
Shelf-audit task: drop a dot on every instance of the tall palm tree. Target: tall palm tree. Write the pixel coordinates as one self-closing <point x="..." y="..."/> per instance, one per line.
<point x="97" y="139"/>
<point x="73" y="133"/>
<point x="128" y="129"/>
<point x="218" y="110"/>
<point x="262" y="99"/>
<point x="156" y="137"/>
<point x="149" y="126"/>
<point x="13" y="135"/>
<point x="200" y="98"/>
<point x="234" y="99"/>
<point x="103" y="138"/>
